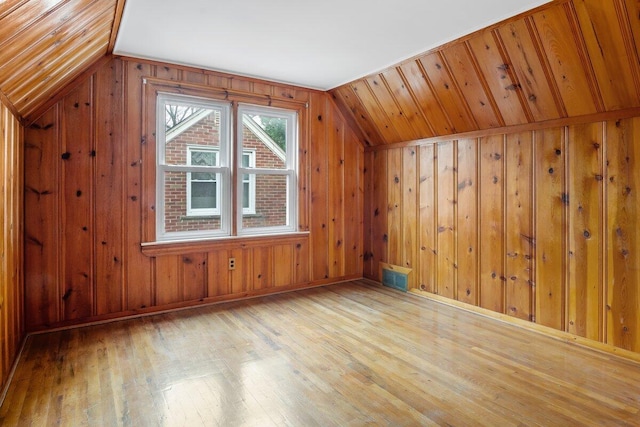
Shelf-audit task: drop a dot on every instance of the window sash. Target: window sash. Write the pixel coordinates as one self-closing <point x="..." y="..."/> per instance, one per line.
<point x="222" y="169"/>
<point x="289" y="170"/>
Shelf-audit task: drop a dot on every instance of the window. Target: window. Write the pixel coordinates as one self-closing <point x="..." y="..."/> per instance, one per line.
<point x="195" y="192"/>
<point x="271" y="134"/>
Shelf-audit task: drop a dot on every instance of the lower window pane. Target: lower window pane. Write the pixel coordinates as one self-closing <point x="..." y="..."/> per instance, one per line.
<point x="189" y="206"/>
<point x="203" y="195"/>
<point x="270" y="202"/>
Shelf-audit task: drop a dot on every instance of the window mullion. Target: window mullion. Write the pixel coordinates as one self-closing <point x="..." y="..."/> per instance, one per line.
<point x="235" y="159"/>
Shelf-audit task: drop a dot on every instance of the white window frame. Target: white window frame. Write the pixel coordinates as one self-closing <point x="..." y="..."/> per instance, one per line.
<point x="202" y="211"/>
<point x="290" y="171"/>
<point x="223" y="169"/>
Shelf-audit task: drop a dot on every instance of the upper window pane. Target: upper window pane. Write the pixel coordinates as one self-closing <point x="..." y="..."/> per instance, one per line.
<point x="267" y="135"/>
<point x="191" y="125"/>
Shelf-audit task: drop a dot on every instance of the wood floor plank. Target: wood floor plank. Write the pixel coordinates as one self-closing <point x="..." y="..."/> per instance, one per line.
<point x="343" y="355"/>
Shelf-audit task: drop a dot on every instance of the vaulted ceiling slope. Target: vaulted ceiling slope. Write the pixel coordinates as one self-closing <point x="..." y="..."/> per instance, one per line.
<point x="45" y="44"/>
<point x="565" y="59"/>
<point x="313" y="44"/>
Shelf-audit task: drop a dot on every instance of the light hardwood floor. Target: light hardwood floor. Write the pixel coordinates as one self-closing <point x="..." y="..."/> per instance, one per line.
<point x="349" y="354"/>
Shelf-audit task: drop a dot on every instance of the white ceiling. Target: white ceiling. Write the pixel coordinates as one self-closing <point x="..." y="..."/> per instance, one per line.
<point x="315" y="44"/>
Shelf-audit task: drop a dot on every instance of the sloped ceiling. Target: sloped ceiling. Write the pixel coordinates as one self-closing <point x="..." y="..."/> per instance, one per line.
<point x="45" y="44"/>
<point x="567" y="59"/>
<point x="314" y="44"/>
<point x="564" y="59"/>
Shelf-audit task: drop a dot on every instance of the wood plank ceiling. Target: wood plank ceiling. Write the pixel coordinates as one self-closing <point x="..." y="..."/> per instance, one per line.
<point x="45" y="44"/>
<point x="565" y="59"/>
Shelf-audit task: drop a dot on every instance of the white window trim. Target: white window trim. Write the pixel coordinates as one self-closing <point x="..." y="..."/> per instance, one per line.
<point x="223" y="168"/>
<point x="202" y="211"/>
<point x="290" y="170"/>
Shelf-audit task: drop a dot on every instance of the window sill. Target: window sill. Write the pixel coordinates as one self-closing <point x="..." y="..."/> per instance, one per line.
<point x="154" y="249"/>
<point x="198" y="217"/>
<point x="210" y="217"/>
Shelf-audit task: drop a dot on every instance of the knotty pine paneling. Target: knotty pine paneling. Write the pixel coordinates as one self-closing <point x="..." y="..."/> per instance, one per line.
<point x="11" y="257"/>
<point x="44" y="45"/>
<point x="446" y="208"/>
<point x="467" y="222"/>
<point x="395" y="210"/>
<point x="77" y="195"/>
<point x="427" y="270"/>
<point x="109" y="132"/>
<point x="526" y="64"/>
<point x="435" y="116"/>
<point x="410" y="210"/>
<point x="379" y="238"/>
<point x="484" y="48"/>
<point x="564" y="59"/>
<point x="551" y="204"/>
<point x="459" y="61"/>
<point x="538" y="225"/>
<point x="336" y="197"/>
<point x="564" y="54"/>
<point x="606" y="31"/>
<point x="622" y="247"/>
<point x="585" y="165"/>
<point x="87" y="206"/>
<point x="519" y="244"/>
<point x="319" y="184"/>
<point x="492" y="187"/>
<point x="447" y="92"/>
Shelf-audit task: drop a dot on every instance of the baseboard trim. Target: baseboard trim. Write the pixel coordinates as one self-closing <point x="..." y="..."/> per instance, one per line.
<point x="169" y="308"/>
<point x="12" y="371"/>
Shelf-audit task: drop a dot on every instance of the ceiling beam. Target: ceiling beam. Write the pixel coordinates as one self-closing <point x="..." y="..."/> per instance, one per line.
<point x="116" y="25"/>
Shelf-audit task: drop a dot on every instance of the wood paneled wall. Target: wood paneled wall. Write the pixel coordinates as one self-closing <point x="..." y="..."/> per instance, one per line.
<point x="564" y="59"/>
<point x="540" y="225"/>
<point x="11" y="284"/>
<point x="85" y="204"/>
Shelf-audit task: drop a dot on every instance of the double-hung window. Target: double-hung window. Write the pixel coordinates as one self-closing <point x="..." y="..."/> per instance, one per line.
<point x="271" y="134"/>
<point x="211" y="182"/>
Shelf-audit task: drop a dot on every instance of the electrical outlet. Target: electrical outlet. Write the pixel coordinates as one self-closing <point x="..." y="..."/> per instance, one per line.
<point x="232" y="263"/>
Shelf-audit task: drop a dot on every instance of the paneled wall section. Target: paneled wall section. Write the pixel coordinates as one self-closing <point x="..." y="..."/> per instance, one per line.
<point x="87" y="206"/>
<point x="540" y="225"/>
<point x="11" y="285"/>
